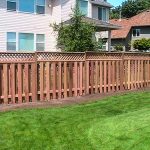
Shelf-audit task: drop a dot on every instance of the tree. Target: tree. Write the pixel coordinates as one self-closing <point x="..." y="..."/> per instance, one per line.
<point x="130" y="8"/>
<point x="76" y="36"/>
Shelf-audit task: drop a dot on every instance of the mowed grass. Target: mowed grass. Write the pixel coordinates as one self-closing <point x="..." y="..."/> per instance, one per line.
<point x="116" y="123"/>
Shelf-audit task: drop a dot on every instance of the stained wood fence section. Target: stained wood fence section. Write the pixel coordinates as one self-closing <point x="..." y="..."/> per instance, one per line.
<point x="42" y="76"/>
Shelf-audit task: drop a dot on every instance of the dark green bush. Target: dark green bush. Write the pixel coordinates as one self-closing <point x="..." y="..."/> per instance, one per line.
<point x="142" y="44"/>
<point x="119" y="47"/>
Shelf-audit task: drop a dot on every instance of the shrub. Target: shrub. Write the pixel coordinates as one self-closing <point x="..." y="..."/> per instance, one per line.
<point x="119" y="47"/>
<point x="142" y="44"/>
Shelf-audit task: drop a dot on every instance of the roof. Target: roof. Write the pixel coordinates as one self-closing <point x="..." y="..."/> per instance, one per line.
<point x="101" y="25"/>
<point x="142" y="19"/>
<point x="101" y="3"/>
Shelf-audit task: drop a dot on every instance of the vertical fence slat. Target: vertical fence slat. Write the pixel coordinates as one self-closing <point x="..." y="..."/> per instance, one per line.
<point x="138" y="80"/>
<point x="117" y="76"/>
<point x="5" y="68"/>
<point x="20" y="76"/>
<point x="113" y="76"/>
<point x="41" y="81"/>
<point x="34" y="81"/>
<point x="47" y="80"/>
<point x="27" y="82"/>
<point x="129" y="71"/>
<point x="60" y="80"/>
<point x="81" y="78"/>
<point x="12" y="80"/>
<point x="87" y="77"/>
<point x="101" y="77"/>
<point x="92" y="77"/>
<point x="142" y="73"/>
<point x="65" y="79"/>
<point x="109" y="75"/>
<point x="75" y="78"/>
<point x="105" y="75"/>
<point x="70" y="78"/>
<point x="54" y="80"/>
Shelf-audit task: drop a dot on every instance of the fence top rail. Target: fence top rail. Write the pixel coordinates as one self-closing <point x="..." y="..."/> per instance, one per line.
<point x="96" y="52"/>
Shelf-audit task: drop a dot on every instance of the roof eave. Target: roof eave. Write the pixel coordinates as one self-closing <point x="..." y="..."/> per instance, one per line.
<point x="106" y="4"/>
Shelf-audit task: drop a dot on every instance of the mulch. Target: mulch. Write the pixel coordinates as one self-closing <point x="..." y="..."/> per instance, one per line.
<point x="66" y="102"/>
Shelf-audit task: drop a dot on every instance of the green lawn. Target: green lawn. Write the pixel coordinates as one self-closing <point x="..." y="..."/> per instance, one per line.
<point x="117" y="123"/>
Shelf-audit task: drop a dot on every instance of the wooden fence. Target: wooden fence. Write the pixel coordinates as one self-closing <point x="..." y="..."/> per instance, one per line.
<point x="42" y="76"/>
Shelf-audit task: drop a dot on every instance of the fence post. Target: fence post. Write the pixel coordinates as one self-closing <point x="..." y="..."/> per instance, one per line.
<point x="122" y="72"/>
<point x="34" y="78"/>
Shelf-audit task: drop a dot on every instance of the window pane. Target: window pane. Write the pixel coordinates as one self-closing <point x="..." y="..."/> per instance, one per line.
<point x="26" y="5"/>
<point x="83" y="5"/>
<point x="11" y="5"/>
<point x="26" y="41"/>
<point x="40" y="38"/>
<point x="104" y="14"/>
<point x="41" y="2"/>
<point x="11" y="46"/>
<point x="138" y="32"/>
<point x="11" y="37"/>
<point x="40" y="9"/>
<point x="40" y="46"/>
<point x="134" y="32"/>
<point x="100" y="13"/>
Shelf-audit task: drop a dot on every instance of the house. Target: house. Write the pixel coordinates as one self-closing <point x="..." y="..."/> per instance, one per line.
<point x="25" y="24"/>
<point x="133" y="28"/>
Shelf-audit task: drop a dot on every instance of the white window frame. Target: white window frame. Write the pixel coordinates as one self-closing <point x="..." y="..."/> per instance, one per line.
<point x="35" y="12"/>
<point x="17" y="40"/>
<point x="107" y="13"/>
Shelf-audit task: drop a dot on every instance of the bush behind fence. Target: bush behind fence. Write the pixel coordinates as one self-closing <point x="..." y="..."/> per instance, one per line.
<point x="42" y="76"/>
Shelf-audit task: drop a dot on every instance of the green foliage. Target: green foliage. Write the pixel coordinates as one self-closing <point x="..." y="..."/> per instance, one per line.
<point x="116" y="123"/>
<point x="76" y="36"/>
<point x="130" y="8"/>
<point x="119" y="47"/>
<point x="142" y="44"/>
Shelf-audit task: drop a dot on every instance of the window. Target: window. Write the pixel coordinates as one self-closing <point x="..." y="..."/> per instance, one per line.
<point x="103" y="14"/>
<point x="100" y="13"/>
<point x="11" y="41"/>
<point x="40" y="7"/>
<point x="26" y="5"/>
<point x="136" y="32"/>
<point x="26" y="41"/>
<point x="40" y="42"/>
<point x="83" y="5"/>
<point x="11" y="5"/>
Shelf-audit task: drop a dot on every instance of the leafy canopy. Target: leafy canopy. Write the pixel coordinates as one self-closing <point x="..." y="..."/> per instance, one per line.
<point x="130" y="8"/>
<point x="77" y="36"/>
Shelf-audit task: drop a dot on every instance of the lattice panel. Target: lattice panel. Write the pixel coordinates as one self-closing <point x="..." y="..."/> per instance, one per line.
<point x="99" y="56"/>
<point x="47" y="56"/>
<point x="17" y="57"/>
<point x="134" y="56"/>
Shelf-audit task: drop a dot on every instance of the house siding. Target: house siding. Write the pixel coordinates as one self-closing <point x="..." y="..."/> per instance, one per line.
<point x="27" y="23"/>
<point x="66" y="9"/>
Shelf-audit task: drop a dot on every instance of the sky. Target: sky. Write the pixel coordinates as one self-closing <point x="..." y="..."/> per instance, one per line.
<point x="115" y="2"/>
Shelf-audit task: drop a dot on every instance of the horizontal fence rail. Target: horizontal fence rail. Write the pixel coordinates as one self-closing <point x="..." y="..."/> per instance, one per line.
<point x="42" y="76"/>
